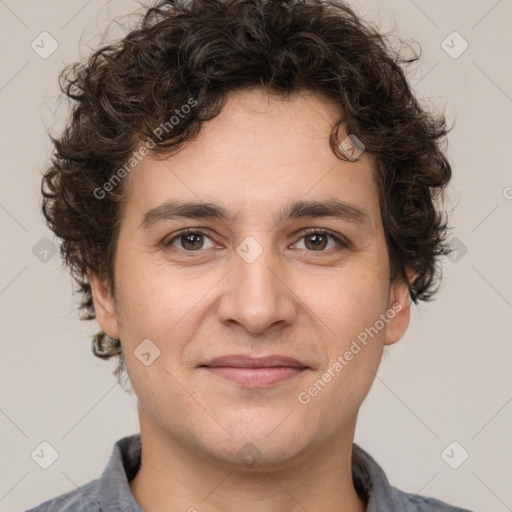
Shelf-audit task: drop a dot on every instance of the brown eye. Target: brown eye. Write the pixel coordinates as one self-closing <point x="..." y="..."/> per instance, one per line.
<point x="317" y="240"/>
<point x="190" y="241"/>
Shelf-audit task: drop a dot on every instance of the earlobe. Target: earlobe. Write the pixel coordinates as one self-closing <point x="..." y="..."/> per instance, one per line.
<point x="104" y="306"/>
<point x="399" y="311"/>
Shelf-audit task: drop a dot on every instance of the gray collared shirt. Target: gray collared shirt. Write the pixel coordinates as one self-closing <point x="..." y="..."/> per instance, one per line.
<point x="111" y="492"/>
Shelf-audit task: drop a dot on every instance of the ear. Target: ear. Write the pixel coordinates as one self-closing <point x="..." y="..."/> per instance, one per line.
<point x="400" y="303"/>
<point x="104" y="306"/>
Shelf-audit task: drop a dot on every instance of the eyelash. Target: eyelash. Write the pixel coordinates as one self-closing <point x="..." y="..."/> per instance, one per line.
<point x="310" y="231"/>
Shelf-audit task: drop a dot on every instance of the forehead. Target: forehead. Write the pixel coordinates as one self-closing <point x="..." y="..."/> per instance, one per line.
<point x="260" y="153"/>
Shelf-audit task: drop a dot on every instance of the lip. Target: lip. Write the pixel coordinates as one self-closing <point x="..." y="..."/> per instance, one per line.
<point x="255" y="371"/>
<point x="243" y="361"/>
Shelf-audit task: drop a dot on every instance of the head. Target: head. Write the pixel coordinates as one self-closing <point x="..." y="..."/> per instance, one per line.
<point x="276" y="119"/>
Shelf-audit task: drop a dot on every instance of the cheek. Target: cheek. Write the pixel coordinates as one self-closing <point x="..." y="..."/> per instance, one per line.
<point x="165" y="308"/>
<point x="151" y="301"/>
<point x="353" y="353"/>
<point x="351" y="300"/>
<point x="350" y="309"/>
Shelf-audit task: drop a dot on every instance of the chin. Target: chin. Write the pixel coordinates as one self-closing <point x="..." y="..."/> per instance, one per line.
<point x="263" y="447"/>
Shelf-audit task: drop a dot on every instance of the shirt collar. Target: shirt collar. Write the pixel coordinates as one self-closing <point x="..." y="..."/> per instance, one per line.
<point x="114" y="486"/>
<point x="369" y="479"/>
<point x="372" y="484"/>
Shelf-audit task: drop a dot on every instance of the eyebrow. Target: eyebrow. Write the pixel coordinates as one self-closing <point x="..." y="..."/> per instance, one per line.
<point x="299" y="209"/>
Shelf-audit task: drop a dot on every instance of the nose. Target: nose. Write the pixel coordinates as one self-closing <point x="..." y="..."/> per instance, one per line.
<point x="257" y="294"/>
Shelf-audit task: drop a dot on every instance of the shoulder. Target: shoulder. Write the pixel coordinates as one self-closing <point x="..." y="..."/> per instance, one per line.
<point x="109" y="492"/>
<point x="416" y="503"/>
<point x="370" y="480"/>
<point x="84" y="498"/>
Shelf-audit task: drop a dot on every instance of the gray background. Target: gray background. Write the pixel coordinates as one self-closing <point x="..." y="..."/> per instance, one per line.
<point x="447" y="380"/>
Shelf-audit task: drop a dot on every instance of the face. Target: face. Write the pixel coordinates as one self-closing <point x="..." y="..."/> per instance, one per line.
<point x="288" y="260"/>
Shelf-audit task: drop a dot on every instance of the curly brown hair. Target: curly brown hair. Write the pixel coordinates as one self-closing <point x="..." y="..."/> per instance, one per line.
<point x="205" y="49"/>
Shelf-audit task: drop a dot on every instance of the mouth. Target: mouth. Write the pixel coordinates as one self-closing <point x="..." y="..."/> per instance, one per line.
<point x="255" y="372"/>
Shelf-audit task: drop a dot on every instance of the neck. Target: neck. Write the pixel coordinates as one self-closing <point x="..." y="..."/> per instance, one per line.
<point x="174" y="476"/>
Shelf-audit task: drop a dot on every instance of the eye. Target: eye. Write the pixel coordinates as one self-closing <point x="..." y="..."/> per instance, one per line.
<point x="190" y="240"/>
<point x="317" y="240"/>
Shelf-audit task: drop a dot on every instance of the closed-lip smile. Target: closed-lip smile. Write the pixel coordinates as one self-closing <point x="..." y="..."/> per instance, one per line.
<point x="255" y="371"/>
<point x="244" y="361"/>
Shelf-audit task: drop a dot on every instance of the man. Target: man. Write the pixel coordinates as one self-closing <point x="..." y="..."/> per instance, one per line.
<point x="246" y="194"/>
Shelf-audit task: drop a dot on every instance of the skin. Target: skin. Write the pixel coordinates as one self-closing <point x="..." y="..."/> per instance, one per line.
<point x="259" y="154"/>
